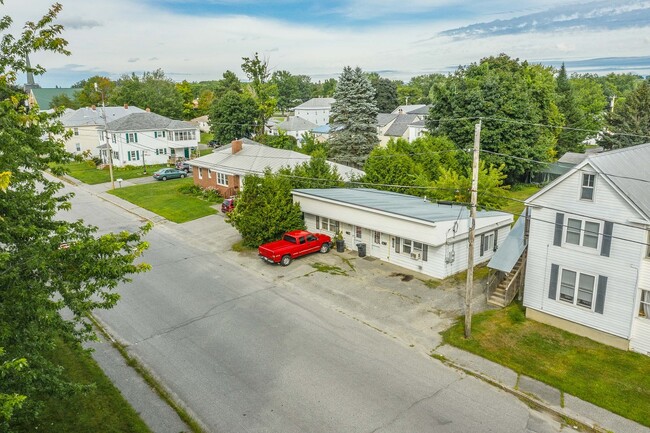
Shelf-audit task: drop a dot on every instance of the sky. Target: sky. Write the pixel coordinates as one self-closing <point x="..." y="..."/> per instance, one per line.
<point x="199" y="40"/>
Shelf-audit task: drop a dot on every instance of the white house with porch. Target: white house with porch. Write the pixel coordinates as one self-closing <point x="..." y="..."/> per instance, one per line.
<point x="148" y="138"/>
<point x="588" y="266"/>
<point x="414" y="233"/>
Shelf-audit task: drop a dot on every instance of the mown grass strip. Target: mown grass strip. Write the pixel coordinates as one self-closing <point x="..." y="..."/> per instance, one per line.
<point x="151" y="380"/>
<point x="613" y="379"/>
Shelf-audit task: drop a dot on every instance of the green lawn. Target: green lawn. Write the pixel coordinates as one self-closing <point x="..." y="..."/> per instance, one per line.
<point x="87" y="172"/>
<point x="164" y="199"/>
<point x="206" y="137"/>
<point x="516" y="195"/>
<point x="613" y="379"/>
<point x="102" y="410"/>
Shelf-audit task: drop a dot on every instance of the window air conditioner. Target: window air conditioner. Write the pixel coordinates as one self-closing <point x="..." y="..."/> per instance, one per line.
<point x="416" y="256"/>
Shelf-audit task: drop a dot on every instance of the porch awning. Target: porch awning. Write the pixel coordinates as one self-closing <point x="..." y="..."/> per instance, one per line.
<point x="505" y="258"/>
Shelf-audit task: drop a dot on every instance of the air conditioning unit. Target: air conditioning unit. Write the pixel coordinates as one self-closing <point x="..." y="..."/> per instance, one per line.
<point x="416" y="256"/>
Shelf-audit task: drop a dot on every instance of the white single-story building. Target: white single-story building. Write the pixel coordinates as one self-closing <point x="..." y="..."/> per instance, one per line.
<point x="414" y="233"/>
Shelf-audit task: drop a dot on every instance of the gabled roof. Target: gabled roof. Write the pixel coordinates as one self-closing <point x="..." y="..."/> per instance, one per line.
<point x="44" y="96"/>
<point x="254" y="158"/>
<point x="423" y="111"/>
<point x="625" y="169"/>
<point x="295" y="123"/>
<point x="400" y="125"/>
<point x="316" y="103"/>
<point x="89" y="116"/>
<point x="411" y="108"/>
<point x="147" y="121"/>
<point x="384" y="119"/>
<point x="398" y="204"/>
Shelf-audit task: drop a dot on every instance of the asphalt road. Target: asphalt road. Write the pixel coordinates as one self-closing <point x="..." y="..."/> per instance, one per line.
<point x="249" y="355"/>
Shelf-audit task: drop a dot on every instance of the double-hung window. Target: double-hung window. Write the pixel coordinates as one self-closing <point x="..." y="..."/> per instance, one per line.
<point x="585" y="233"/>
<point x="644" y="307"/>
<point x="587" y="190"/>
<point x="327" y="224"/>
<point x="222" y="179"/>
<point x="577" y="288"/>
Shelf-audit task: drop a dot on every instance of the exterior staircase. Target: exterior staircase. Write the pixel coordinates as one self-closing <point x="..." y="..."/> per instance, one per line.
<point x="510" y="284"/>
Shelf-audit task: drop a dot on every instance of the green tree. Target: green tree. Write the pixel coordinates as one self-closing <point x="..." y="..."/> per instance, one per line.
<point x="310" y="144"/>
<point x="574" y="132"/>
<point x="355" y="112"/>
<point x="513" y="98"/>
<point x="206" y="98"/>
<point x="280" y="141"/>
<point x="292" y="89"/>
<point x="315" y="173"/>
<point x="389" y="169"/>
<point x="88" y="96"/>
<point x="455" y="186"/>
<point x="591" y="101"/>
<point x="228" y="83"/>
<point x="64" y="101"/>
<point x="385" y="95"/>
<point x="153" y="90"/>
<point x="263" y="92"/>
<point x="39" y="277"/>
<point x="233" y="116"/>
<point x="186" y="93"/>
<point x="629" y="123"/>
<point x="265" y="209"/>
<point x="325" y="89"/>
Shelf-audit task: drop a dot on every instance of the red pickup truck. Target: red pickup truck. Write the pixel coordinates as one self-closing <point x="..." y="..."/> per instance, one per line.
<point x="294" y="244"/>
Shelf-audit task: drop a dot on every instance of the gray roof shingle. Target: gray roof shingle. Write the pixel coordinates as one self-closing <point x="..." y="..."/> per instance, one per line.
<point x="147" y="121"/>
<point x="316" y="103"/>
<point x="401" y="125"/>
<point x="88" y="116"/>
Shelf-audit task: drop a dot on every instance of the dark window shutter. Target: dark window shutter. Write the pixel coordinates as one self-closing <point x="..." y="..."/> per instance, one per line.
<point x="607" y="239"/>
<point x="496" y="240"/>
<point x="137" y="155"/>
<point x="317" y="222"/>
<point x="397" y="242"/>
<point x="155" y="134"/>
<point x="559" y="226"/>
<point x="600" y="296"/>
<point x="127" y="137"/>
<point x="482" y="244"/>
<point x="425" y="252"/>
<point x="129" y="155"/>
<point x="135" y="137"/>
<point x="552" y="286"/>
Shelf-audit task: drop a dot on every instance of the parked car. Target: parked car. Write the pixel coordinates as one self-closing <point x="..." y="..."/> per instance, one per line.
<point x="183" y="165"/>
<point x="213" y="143"/>
<point x="168" y="173"/>
<point x="292" y="245"/>
<point x="228" y="205"/>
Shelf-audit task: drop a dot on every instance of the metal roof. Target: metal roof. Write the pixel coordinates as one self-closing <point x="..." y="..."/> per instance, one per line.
<point x="316" y="103"/>
<point x="89" y="116"/>
<point x="44" y="96"/>
<point x="627" y="169"/>
<point x="505" y="258"/>
<point x="147" y="121"/>
<point x="254" y="158"/>
<point x="397" y="204"/>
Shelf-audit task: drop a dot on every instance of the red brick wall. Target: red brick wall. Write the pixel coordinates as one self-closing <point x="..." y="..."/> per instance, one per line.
<point x="211" y="182"/>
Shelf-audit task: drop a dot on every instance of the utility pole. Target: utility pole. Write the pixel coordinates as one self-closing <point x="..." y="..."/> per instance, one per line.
<point x="108" y="144"/>
<point x="472" y="227"/>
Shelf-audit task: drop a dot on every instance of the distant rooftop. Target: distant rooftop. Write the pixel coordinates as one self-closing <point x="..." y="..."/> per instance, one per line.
<point x="93" y="116"/>
<point x="316" y="103"/>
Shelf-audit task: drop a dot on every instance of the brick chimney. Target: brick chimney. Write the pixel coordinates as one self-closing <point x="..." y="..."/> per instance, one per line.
<point x="148" y="110"/>
<point x="236" y="146"/>
<point x="92" y="107"/>
<point x="126" y="106"/>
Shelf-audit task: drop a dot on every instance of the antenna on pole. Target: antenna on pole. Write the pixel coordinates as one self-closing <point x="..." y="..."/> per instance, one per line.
<point x="472" y="235"/>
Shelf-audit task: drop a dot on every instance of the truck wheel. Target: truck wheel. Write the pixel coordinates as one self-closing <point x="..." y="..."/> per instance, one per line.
<point x="285" y="260"/>
<point x="325" y="247"/>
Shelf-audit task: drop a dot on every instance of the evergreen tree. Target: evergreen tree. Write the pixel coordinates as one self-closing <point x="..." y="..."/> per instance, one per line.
<point x="386" y="95"/>
<point x="572" y="136"/>
<point x="354" y="119"/>
<point x="629" y="123"/>
<point x="47" y="264"/>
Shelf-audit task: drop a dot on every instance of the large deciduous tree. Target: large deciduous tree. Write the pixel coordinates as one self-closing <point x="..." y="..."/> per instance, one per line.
<point x="263" y="92"/>
<point x="514" y="99"/>
<point x="46" y="264"/>
<point x="292" y="89"/>
<point x="233" y="116"/>
<point x="354" y="119"/>
<point x="153" y="90"/>
<point x="629" y="123"/>
<point x="385" y="93"/>
<point x="87" y="96"/>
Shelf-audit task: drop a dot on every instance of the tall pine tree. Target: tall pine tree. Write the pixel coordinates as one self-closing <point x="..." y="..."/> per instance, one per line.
<point x="354" y="119"/>
<point x="572" y="136"/>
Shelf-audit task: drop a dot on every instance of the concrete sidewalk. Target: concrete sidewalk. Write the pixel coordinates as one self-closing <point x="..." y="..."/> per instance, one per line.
<point x="401" y="310"/>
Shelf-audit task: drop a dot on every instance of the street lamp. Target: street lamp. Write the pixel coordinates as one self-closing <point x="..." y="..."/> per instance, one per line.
<point x="108" y="144"/>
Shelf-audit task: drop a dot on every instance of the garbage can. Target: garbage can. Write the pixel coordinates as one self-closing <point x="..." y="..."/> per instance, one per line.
<point x="361" y="248"/>
<point x="340" y="246"/>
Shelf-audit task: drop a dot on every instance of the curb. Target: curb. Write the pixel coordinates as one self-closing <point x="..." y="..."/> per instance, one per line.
<point x="563" y="417"/>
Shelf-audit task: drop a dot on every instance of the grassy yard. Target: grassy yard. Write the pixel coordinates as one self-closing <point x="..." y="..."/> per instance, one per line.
<point x="87" y="172"/>
<point x="610" y="378"/>
<point x="102" y="410"/>
<point x="516" y="196"/>
<point x="165" y="199"/>
<point x="206" y="137"/>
